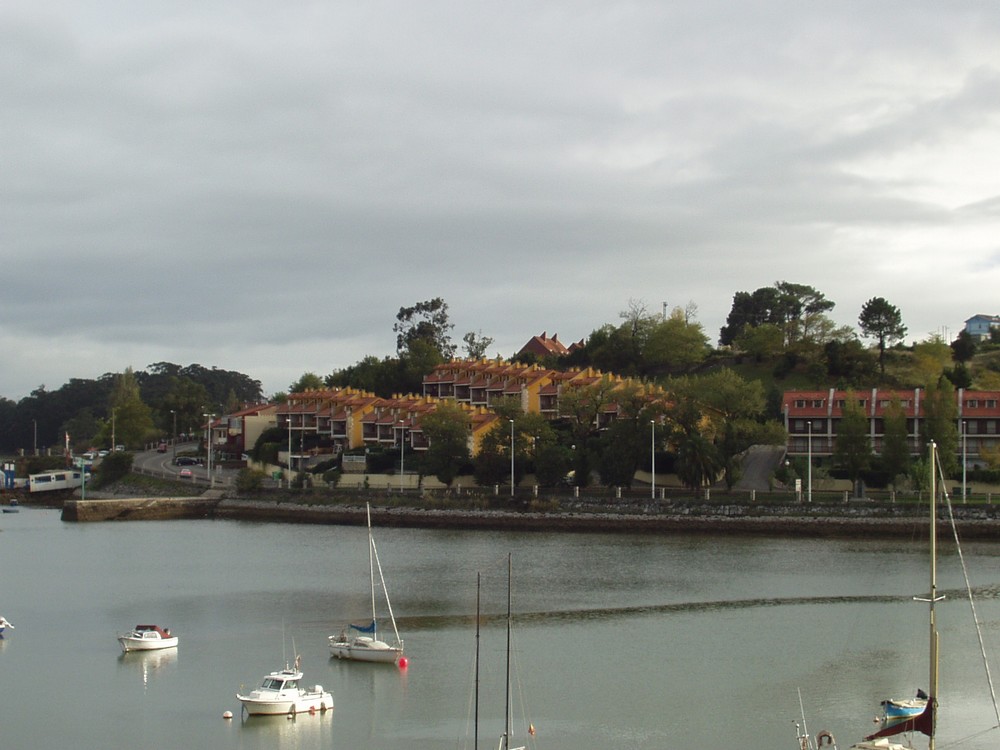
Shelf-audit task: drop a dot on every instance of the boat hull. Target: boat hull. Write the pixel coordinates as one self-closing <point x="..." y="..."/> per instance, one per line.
<point x="144" y="644"/>
<point x="365" y="649"/>
<point x="281" y="706"/>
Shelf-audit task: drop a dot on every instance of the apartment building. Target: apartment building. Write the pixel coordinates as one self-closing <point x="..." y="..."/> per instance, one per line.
<point x="812" y="417"/>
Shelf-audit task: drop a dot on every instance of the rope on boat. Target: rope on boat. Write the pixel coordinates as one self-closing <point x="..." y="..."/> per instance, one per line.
<point x="968" y="589"/>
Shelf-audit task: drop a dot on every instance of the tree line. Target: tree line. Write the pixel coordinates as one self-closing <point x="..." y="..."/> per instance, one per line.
<point x="136" y="407"/>
<point x="717" y="407"/>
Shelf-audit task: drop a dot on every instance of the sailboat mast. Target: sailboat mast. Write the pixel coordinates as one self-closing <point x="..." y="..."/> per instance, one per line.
<point x="475" y="736"/>
<point x="506" y="713"/>
<point x="371" y="568"/>
<point x="933" y="593"/>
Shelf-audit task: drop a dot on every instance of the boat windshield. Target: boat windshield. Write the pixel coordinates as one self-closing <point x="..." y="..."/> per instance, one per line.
<point x="271" y="683"/>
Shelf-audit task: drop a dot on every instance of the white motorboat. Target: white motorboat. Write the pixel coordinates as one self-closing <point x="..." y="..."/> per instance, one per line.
<point x="366" y="646"/>
<point x="4" y="624"/>
<point x="280" y="694"/>
<point x="147" y="638"/>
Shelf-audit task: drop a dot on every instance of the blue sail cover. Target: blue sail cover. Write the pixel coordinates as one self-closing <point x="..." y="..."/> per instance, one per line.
<point x="364" y="628"/>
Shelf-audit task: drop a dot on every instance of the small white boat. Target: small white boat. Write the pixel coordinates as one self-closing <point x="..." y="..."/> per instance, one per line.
<point x="4" y="624"/>
<point x="280" y="694"/>
<point x="147" y="638"/>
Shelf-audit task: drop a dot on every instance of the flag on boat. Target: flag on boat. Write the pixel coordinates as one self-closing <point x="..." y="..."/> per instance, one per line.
<point x="922" y="722"/>
<point x="370" y="628"/>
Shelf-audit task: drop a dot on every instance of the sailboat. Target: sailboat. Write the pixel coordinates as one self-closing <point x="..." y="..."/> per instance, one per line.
<point x="916" y="714"/>
<point x="366" y="646"/>
<point x="504" y="743"/>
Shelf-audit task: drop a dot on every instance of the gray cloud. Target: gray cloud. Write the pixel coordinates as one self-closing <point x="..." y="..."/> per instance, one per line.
<point x="261" y="187"/>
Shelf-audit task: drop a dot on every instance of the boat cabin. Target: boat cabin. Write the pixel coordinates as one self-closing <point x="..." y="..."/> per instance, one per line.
<point x="152" y="632"/>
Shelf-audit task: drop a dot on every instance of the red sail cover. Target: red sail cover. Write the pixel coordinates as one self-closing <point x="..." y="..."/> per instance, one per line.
<point x="923" y="722"/>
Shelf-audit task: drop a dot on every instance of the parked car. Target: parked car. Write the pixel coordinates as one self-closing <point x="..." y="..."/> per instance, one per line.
<point x="186" y="474"/>
<point x="185" y="461"/>
<point x="161" y="448"/>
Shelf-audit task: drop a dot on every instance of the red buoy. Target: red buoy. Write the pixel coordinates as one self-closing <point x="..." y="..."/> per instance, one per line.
<point x="403" y="662"/>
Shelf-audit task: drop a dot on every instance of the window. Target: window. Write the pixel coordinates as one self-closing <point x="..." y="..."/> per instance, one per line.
<point x="972" y="427"/>
<point x="991" y="403"/>
<point x="800" y="403"/>
<point x="817" y="403"/>
<point x="991" y="427"/>
<point x="972" y="403"/>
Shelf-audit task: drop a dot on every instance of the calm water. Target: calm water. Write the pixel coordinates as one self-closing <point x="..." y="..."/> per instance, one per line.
<point x="631" y="642"/>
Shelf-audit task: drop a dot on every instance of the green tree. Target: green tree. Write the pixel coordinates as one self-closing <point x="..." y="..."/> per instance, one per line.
<point x="308" y="381"/>
<point x="850" y="362"/>
<point x="940" y="424"/>
<point x="931" y="357"/>
<point x="852" y="449"/>
<point x="895" y="441"/>
<point x="183" y="404"/>
<point x="448" y="433"/>
<point x="674" y="344"/>
<point x="762" y="342"/>
<point x="476" y="345"/>
<point x="964" y="347"/>
<point x="132" y="419"/>
<point x="883" y="322"/>
<point x="82" y="429"/>
<point x="427" y="322"/>
<point x="797" y="309"/>
<point x="383" y="377"/>
<point x="698" y="462"/>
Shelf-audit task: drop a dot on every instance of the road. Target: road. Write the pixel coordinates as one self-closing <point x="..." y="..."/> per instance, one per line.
<point x="758" y="467"/>
<point x="161" y="464"/>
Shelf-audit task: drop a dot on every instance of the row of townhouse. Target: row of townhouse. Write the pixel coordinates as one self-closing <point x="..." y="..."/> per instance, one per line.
<point x="812" y="418"/>
<point x="333" y="420"/>
<point x="484" y="383"/>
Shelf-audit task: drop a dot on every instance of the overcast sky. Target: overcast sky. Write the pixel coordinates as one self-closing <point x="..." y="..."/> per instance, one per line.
<point x="260" y="186"/>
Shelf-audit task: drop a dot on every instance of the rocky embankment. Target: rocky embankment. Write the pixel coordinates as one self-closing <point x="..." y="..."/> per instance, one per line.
<point x="663" y="518"/>
<point x="850" y="520"/>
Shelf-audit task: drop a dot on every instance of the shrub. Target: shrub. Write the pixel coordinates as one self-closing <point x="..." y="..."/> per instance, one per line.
<point x="250" y="480"/>
<point x="113" y="467"/>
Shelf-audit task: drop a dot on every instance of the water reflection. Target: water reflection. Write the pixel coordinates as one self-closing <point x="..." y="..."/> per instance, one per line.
<point x="149" y="663"/>
<point x="302" y="730"/>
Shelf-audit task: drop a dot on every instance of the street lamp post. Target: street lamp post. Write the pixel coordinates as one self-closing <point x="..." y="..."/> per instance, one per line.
<point x="114" y="444"/>
<point x="174" y="441"/>
<point x="34" y="422"/>
<point x="512" y="458"/>
<point x="809" y="470"/>
<point x="652" y="457"/>
<point x="208" y="446"/>
<point x="965" y="432"/>
<point x="289" y="448"/>
<point x="402" y="444"/>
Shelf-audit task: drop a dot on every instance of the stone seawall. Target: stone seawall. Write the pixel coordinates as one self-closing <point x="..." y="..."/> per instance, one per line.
<point x="738" y="520"/>
<point x="973" y="522"/>
<point x="138" y="509"/>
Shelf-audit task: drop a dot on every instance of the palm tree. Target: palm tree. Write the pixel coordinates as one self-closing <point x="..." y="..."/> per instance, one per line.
<point x="698" y="461"/>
